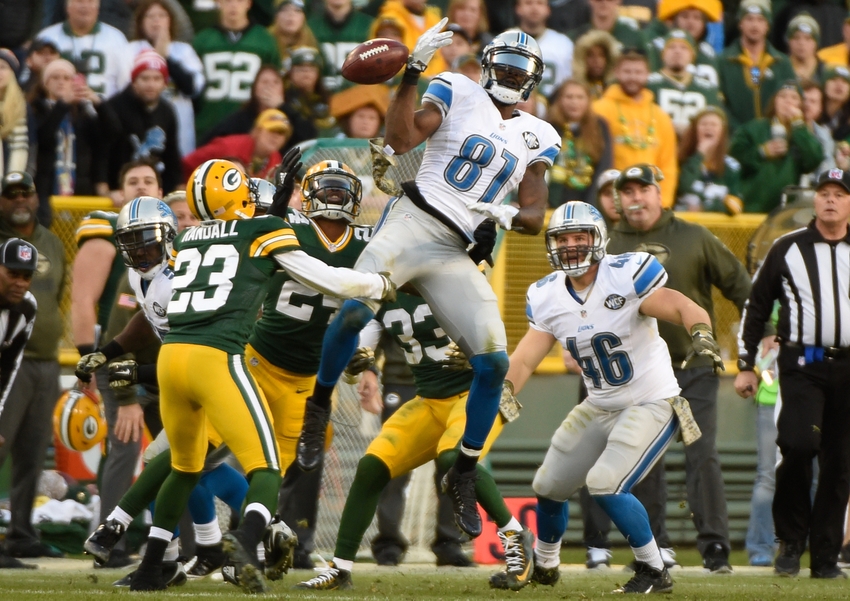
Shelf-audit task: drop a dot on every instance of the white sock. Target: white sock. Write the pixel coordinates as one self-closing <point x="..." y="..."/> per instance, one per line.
<point x="172" y="550"/>
<point x="547" y="555"/>
<point x="261" y="509"/>
<point x="161" y="534"/>
<point x="261" y="552"/>
<point x="512" y="525"/>
<point x="120" y="516"/>
<point x="650" y="554"/>
<point x="208" y="535"/>
<point x="343" y="564"/>
<point x="470" y="452"/>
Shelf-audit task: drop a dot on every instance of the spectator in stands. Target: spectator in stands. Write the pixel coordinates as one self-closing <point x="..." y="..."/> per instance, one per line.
<point x="605" y="201"/>
<point x="305" y="93"/>
<point x="72" y="156"/>
<point x="338" y="30"/>
<point x="26" y="422"/>
<point x="460" y="45"/>
<point x="259" y="150"/>
<point x="693" y="17"/>
<point x="585" y="146"/>
<point x="557" y="49"/>
<point x="839" y="53"/>
<point x="359" y="111"/>
<point x="709" y="179"/>
<point x="206" y="14"/>
<point x="414" y="17"/>
<point x="388" y="28"/>
<point x="596" y="53"/>
<point x="19" y="21"/>
<point x="468" y="65"/>
<point x="232" y="54"/>
<point x="604" y="16"/>
<point x="14" y="131"/>
<point x="640" y="130"/>
<point x="290" y="27"/>
<point x="471" y="15"/>
<point x="141" y="124"/>
<point x="677" y="91"/>
<point x="97" y="50"/>
<point x="695" y="261"/>
<point x="812" y="109"/>
<point x="836" y="101"/>
<point x="751" y="69"/>
<point x="41" y="52"/>
<point x="803" y="36"/>
<point x="155" y="28"/>
<point x="775" y="150"/>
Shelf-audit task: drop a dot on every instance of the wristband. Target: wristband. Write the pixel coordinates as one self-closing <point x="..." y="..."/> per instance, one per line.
<point x="411" y="77"/>
<point x="85" y="349"/>
<point x="111" y="350"/>
<point x="146" y="374"/>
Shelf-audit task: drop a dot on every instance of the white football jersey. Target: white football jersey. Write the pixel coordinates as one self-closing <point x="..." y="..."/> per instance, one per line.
<point x="475" y="155"/>
<point x="153" y="297"/>
<point x="624" y="360"/>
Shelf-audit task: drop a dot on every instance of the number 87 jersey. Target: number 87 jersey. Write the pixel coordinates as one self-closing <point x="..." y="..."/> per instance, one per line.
<point x="475" y="155"/>
<point x="623" y="359"/>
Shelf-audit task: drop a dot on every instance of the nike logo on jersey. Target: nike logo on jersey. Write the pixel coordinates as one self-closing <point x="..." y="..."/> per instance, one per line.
<point x="301" y="390"/>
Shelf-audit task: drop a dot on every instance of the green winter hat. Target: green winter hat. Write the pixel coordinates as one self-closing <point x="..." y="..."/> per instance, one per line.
<point x="682" y="35"/>
<point x="806" y="23"/>
<point x="756" y="7"/>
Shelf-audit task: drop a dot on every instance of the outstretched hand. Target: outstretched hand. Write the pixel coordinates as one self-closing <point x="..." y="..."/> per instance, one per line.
<point x="287" y="171"/>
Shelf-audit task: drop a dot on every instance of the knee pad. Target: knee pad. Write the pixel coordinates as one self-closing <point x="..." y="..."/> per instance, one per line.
<point x="544" y="486"/>
<point x="354" y="315"/>
<point x="601" y="480"/>
<point x="490" y="368"/>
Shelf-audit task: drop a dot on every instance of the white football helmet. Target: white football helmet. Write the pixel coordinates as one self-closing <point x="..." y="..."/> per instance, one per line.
<point x="576" y="216"/>
<point x="263" y="192"/>
<point x="510" y="54"/>
<point x="144" y="231"/>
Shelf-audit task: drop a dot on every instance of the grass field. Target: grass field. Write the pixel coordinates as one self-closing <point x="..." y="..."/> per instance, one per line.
<point x="74" y="580"/>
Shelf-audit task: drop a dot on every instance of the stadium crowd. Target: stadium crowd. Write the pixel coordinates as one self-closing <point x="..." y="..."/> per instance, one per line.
<point x="731" y="101"/>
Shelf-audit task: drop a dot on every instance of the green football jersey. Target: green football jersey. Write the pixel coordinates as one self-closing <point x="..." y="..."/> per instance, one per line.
<point x="336" y="41"/>
<point x="416" y="330"/>
<point x="295" y="317"/>
<point x="231" y="64"/>
<point x="101" y="224"/>
<point x="222" y="271"/>
<point x="682" y="100"/>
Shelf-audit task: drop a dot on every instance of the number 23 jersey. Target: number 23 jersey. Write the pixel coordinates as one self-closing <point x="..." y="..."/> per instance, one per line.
<point x="475" y="155"/>
<point x="624" y="361"/>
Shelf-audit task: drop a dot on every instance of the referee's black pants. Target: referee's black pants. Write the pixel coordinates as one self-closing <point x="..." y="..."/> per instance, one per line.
<point x="814" y="421"/>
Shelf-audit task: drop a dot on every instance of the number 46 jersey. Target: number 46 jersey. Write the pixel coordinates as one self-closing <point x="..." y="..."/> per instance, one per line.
<point x="624" y="361"/>
<point x="475" y="155"/>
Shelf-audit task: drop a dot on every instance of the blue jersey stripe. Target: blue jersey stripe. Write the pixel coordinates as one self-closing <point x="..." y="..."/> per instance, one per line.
<point x="440" y="90"/>
<point x="549" y="155"/>
<point x="646" y="277"/>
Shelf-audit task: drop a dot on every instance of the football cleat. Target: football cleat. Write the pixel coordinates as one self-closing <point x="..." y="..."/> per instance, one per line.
<point x="311" y="442"/>
<point x="241" y="565"/>
<point x="519" y="560"/>
<point x="207" y="560"/>
<point x="101" y="542"/>
<point x="598" y="558"/>
<point x="460" y="487"/>
<point x="148" y="577"/>
<point x="545" y="576"/>
<point x="330" y="579"/>
<point x="647" y="580"/>
<point x="279" y="543"/>
<point x="173" y="574"/>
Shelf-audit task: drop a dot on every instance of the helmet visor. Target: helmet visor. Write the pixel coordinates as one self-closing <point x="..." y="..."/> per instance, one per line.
<point x="513" y="70"/>
<point x="142" y="249"/>
<point x="334" y="189"/>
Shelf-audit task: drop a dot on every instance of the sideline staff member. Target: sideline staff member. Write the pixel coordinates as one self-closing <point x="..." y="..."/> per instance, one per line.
<point x="808" y="271"/>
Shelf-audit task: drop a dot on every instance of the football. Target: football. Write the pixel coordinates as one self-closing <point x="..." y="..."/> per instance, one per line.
<point x="375" y="61"/>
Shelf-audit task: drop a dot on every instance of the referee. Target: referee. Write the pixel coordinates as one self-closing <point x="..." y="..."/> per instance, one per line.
<point x="808" y="272"/>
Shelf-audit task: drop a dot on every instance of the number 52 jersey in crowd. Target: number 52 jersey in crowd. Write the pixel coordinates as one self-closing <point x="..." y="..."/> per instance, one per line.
<point x="624" y="361"/>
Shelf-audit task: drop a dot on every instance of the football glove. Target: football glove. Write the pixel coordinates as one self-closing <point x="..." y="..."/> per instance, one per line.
<point x="381" y="162"/>
<point x="123" y="373"/>
<point x="704" y="344"/>
<point x="509" y="405"/>
<point x="485" y="242"/>
<point x="501" y="214"/>
<point x="287" y="173"/>
<point x="88" y="364"/>
<point x="427" y="46"/>
<point x="389" y="293"/>
<point x="363" y="359"/>
<point x="455" y="358"/>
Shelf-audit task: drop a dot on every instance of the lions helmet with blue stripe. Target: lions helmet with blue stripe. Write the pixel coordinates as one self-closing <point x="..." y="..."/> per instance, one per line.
<point x="576" y="216"/>
<point x="331" y="189"/>
<point x="510" y="54"/>
<point x="263" y="191"/>
<point x="144" y="232"/>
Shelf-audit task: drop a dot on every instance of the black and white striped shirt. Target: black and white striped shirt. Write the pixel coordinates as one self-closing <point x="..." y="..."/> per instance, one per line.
<point x="16" y="324"/>
<point x="810" y="277"/>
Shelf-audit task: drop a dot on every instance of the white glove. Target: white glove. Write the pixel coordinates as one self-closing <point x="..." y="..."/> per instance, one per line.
<point x="428" y="44"/>
<point x="501" y="214"/>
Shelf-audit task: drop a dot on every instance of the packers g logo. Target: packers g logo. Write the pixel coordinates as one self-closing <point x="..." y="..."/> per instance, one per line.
<point x="232" y="180"/>
<point x="90" y="428"/>
<point x="634" y="172"/>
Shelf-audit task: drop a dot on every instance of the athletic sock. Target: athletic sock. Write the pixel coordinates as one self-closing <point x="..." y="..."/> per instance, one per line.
<point x="263" y="488"/>
<point x="172" y="551"/>
<point x="547" y="555"/>
<point x="254" y="524"/>
<point x="629" y="516"/>
<point x="120" y="516"/>
<point x="467" y="459"/>
<point x="482" y="404"/>
<point x="155" y="549"/>
<point x="513" y="524"/>
<point x="201" y="504"/>
<point x="343" y="564"/>
<point x="650" y="554"/>
<point x="552" y="518"/>
<point x="371" y="478"/>
<point x="172" y="499"/>
<point x="491" y="500"/>
<point x="147" y="485"/>
<point x="227" y="484"/>
<point x="209" y="534"/>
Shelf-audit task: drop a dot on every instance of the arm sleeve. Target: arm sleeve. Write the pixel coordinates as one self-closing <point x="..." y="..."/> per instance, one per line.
<point x="10" y="360"/>
<point x="370" y="336"/>
<point x="746" y="150"/>
<point x="335" y="281"/>
<point x="183" y="79"/>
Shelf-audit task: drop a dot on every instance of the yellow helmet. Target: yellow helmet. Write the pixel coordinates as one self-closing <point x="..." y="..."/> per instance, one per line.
<point x="78" y="420"/>
<point x="218" y="189"/>
<point x="330" y="189"/>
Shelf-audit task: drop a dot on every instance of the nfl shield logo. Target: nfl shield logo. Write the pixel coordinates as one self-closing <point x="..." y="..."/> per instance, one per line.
<point x="836" y="174"/>
<point x="583" y="314"/>
<point x="25" y="253"/>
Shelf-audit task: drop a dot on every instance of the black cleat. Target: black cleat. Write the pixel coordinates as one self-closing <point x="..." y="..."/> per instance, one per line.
<point x="242" y="563"/>
<point x="207" y="560"/>
<point x="828" y="572"/>
<point x="279" y="542"/>
<point x="173" y="574"/>
<point x="716" y="559"/>
<point x="103" y="540"/>
<point x="460" y="487"/>
<point x="311" y="442"/>
<point x="647" y="580"/>
<point x="331" y="579"/>
<point x="545" y="576"/>
<point x="788" y="561"/>
<point x="148" y="578"/>
<point x="11" y="563"/>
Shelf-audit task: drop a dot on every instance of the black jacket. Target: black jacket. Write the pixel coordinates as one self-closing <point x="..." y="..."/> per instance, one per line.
<point x="16" y="324"/>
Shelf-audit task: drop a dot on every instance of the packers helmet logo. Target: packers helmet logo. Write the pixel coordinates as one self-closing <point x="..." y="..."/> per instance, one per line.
<point x="232" y="180"/>
<point x="90" y="428"/>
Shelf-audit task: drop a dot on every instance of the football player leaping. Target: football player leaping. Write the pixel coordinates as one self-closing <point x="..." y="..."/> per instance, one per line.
<point x="603" y="309"/>
<point x="479" y="150"/>
<point x="222" y="269"/>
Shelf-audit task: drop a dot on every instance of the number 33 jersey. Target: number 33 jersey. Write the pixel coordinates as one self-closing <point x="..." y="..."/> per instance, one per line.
<point x="624" y="361"/>
<point x="475" y="155"/>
